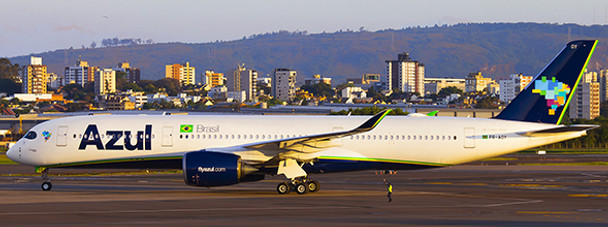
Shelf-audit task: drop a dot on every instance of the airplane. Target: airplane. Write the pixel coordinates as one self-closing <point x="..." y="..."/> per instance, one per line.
<point x="220" y="150"/>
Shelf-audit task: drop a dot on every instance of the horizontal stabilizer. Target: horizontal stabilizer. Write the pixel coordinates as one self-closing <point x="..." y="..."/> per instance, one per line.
<point x="560" y="129"/>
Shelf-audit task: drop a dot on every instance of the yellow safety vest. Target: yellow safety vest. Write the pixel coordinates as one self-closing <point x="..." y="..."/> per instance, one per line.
<point x="390" y="188"/>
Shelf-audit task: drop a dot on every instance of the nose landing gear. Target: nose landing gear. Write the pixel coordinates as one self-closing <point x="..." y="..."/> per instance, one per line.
<point x="300" y="185"/>
<point x="46" y="185"/>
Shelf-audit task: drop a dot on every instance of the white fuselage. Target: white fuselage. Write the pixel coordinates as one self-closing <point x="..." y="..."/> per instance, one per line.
<point x="435" y="141"/>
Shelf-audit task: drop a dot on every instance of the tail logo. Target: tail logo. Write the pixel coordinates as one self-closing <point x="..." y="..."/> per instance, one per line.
<point x="554" y="92"/>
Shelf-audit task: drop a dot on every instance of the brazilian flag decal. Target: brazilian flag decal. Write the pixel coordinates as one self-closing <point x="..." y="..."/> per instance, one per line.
<point x="185" y="128"/>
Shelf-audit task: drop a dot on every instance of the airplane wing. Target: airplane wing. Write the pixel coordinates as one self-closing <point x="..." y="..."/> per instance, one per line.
<point x="559" y="129"/>
<point x="287" y="152"/>
<point x="313" y="141"/>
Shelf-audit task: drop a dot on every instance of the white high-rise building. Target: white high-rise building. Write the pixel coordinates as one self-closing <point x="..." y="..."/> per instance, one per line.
<point x="245" y="80"/>
<point x="80" y="74"/>
<point x="284" y="84"/>
<point x="184" y="73"/>
<point x="214" y="79"/>
<point x="511" y="87"/>
<point x="105" y="82"/>
<point x="603" y="85"/>
<point x="405" y="75"/>
<point x="585" y="102"/>
<point x="34" y="77"/>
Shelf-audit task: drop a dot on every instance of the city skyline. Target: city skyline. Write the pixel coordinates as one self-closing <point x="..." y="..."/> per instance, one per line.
<point x="48" y="26"/>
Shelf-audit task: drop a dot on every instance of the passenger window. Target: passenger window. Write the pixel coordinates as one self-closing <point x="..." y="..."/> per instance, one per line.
<point x="30" y="135"/>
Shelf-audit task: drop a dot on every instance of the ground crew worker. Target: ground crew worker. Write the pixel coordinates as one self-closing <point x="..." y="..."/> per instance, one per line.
<point x="389" y="187"/>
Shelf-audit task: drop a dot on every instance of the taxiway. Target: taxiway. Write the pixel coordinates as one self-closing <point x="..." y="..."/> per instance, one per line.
<point x="460" y="195"/>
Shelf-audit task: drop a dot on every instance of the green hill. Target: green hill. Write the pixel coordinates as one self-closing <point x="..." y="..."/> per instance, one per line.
<point x="496" y="49"/>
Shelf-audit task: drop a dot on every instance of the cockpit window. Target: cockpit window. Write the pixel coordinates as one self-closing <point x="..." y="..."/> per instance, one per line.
<point x="30" y="135"/>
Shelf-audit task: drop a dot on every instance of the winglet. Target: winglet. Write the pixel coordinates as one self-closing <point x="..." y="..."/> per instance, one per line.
<point x="373" y="121"/>
<point x="433" y="113"/>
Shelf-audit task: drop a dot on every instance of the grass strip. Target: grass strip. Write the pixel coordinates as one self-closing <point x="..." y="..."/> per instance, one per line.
<point x="5" y="161"/>
<point x="143" y="172"/>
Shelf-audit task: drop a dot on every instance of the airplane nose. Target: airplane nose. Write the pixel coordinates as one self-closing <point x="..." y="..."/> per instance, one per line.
<point x="11" y="153"/>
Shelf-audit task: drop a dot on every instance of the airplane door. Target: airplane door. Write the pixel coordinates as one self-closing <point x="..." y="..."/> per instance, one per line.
<point x="167" y="136"/>
<point x="469" y="137"/>
<point x="62" y="136"/>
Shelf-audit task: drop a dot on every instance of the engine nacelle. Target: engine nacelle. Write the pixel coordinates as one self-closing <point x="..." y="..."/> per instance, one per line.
<point x="208" y="169"/>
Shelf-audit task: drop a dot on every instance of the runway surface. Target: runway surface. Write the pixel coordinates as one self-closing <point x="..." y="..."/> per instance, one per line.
<point x="460" y="195"/>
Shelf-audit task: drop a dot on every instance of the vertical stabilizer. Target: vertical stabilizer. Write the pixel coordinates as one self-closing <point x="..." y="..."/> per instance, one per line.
<point x="546" y="98"/>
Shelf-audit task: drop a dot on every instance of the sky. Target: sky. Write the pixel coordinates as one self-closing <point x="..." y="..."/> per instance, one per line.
<point x="35" y="26"/>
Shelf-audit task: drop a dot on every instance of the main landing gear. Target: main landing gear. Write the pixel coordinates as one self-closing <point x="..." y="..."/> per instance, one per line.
<point x="46" y="185"/>
<point x="300" y="185"/>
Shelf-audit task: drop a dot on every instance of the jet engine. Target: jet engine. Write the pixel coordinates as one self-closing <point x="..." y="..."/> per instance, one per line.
<point x="208" y="169"/>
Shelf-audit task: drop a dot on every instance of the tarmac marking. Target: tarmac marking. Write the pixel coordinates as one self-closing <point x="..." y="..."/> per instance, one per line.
<point x="513" y="203"/>
<point x="254" y="208"/>
<point x="175" y="210"/>
<point x="588" y="195"/>
<point x="546" y="212"/>
<point x="532" y="185"/>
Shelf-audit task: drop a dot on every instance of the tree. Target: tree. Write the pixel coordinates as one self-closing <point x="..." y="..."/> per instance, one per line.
<point x="171" y="85"/>
<point x="121" y="81"/>
<point x="319" y="89"/>
<point x="8" y="70"/>
<point x="372" y="93"/>
<point x="132" y="86"/>
<point x="446" y="91"/>
<point x="263" y="87"/>
<point x="342" y="86"/>
<point x="488" y="102"/>
<point x="369" y="111"/>
<point x="150" y="89"/>
<point x="73" y="91"/>
<point x="603" y="109"/>
<point x="9" y="86"/>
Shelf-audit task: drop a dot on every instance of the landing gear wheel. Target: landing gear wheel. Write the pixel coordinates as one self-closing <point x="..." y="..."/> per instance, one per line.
<point x="46" y="186"/>
<point x="313" y="186"/>
<point x="301" y="188"/>
<point x="283" y="188"/>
